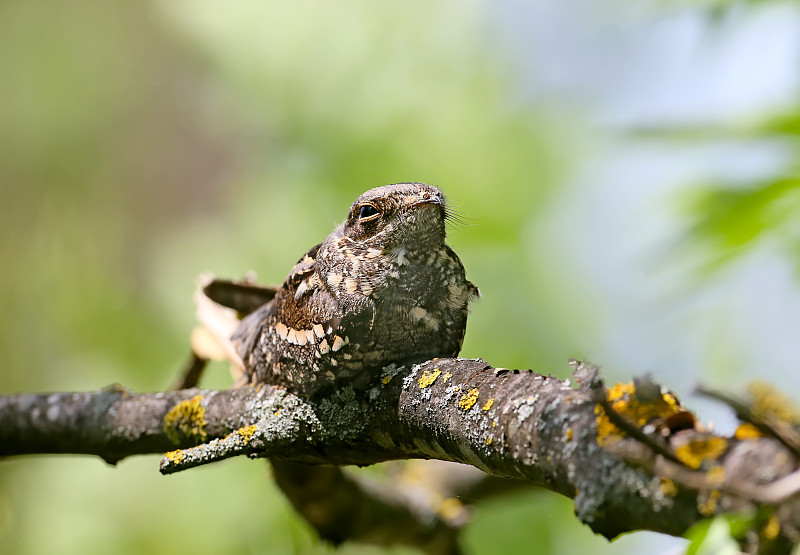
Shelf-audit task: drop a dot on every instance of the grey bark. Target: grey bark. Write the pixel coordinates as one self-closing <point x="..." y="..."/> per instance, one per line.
<point x="508" y="423"/>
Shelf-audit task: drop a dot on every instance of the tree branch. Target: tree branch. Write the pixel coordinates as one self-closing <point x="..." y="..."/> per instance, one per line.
<point x="113" y="423"/>
<point x="505" y="422"/>
<point x="342" y="506"/>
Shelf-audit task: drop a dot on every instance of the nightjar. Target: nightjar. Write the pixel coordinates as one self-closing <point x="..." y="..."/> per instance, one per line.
<point x="382" y="288"/>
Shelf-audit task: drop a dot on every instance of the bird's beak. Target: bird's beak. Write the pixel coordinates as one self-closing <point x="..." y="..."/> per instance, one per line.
<point x="429" y="198"/>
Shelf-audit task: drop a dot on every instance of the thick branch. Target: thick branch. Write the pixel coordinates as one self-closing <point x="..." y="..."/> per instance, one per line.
<point x="341" y="506"/>
<point x="112" y="423"/>
<point x="505" y="422"/>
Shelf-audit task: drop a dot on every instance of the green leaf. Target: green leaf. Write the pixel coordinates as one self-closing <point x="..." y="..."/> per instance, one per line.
<point x="730" y="221"/>
<point x="712" y="537"/>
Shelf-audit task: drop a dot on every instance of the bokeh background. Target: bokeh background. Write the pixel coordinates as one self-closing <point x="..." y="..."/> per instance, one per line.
<point x="627" y="172"/>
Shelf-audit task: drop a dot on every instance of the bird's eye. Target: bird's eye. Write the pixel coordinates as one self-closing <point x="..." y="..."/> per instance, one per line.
<point x="368" y="212"/>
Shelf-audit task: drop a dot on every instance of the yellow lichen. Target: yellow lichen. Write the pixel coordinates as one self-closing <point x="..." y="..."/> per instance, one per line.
<point x="568" y="435"/>
<point x="488" y="404"/>
<point x="450" y="509"/>
<point x="386" y="380"/>
<point x="668" y="487"/>
<point x="769" y="402"/>
<point x="428" y="378"/>
<point x="745" y="430"/>
<point x="716" y="475"/>
<point x="447" y="376"/>
<point x="247" y="432"/>
<point x="174" y="457"/>
<point x="186" y="420"/>
<point x="696" y="450"/>
<point x="117" y="388"/>
<point x="772" y="528"/>
<point x="622" y="397"/>
<point x="707" y="504"/>
<point x="489" y="440"/>
<point x="469" y="399"/>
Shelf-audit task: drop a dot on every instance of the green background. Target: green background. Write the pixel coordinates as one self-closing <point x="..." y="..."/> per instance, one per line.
<point x="142" y="143"/>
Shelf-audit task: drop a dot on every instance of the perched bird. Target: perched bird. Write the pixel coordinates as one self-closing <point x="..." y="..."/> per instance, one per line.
<point x="382" y="288"/>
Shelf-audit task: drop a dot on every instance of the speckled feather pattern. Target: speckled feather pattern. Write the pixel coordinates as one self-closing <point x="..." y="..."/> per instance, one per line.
<point x="383" y="287"/>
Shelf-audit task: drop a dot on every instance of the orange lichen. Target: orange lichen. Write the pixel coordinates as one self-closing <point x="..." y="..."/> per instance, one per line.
<point x="623" y="400"/>
<point x="745" y="430"/>
<point x="186" y="420"/>
<point x="429" y="378"/>
<point x="469" y="399"/>
<point x="699" y="449"/>
<point x="488" y="404"/>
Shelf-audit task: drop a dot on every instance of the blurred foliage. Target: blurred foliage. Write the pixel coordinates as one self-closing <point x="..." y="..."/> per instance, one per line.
<point x="713" y="536"/>
<point x="723" y="534"/>
<point x="732" y="220"/>
<point x="731" y="217"/>
<point x="143" y="143"/>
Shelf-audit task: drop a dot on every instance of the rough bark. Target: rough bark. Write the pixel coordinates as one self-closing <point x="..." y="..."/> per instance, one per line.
<point x="507" y="423"/>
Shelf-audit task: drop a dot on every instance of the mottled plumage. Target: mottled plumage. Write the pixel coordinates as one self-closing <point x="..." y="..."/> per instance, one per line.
<point x="383" y="287"/>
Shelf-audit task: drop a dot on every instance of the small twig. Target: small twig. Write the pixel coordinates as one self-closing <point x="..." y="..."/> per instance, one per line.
<point x="588" y="376"/>
<point x="191" y="373"/>
<point x="632" y="429"/>
<point x="767" y="424"/>
<point x="280" y="420"/>
<point x="775" y="493"/>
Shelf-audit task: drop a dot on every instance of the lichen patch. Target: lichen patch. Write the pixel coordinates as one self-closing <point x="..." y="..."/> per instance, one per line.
<point x="429" y="378"/>
<point x="769" y="402"/>
<point x="667" y="487"/>
<point x="745" y="430"/>
<point x="175" y="457"/>
<point x="247" y="432"/>
<point x="697" y="450"/>
<point x="468" y="399"/>
<point x="186" y="420"/>
<point x="623" y="400"/>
